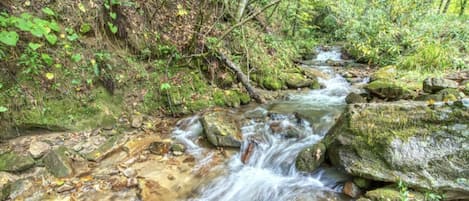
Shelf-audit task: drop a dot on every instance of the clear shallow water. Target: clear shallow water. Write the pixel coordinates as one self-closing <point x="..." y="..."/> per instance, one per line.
<point x="270" y="173"/>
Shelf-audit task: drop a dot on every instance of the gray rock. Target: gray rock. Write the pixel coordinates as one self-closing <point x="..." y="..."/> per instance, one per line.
<point x="37" y="149"/>
<point x="423" y="146"/>
<point x="137" y="121"/>
<point x="65" y="188"/>
<point x="311" y="158"/>
<point x="12" y="162"/>
<point x="257" y="113"/>
<point x="433" y="84"/>
<point x="111" y="145"/>
<point x="58" y="163"/>
<point x="354" y="98"/>
<point x="222" y="129"/>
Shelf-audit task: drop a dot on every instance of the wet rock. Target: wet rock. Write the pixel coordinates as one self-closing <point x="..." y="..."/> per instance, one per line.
<point x="159" y="148"/>
<point x="178" y="147"/>
<point x="65" y="188"/>
<point x="314" y="73"/>
<point x="388" y="72"/>
<point x="58" y="163"/>
<point x="392" y="141"/>
<point x="257" y="113"/>
<point x="12" y="162"/>
<point x="354" y="98"/>
<point x="111" y="145"/>
<point x="37" y="149"/>
<point x="351" y="190"/>
<point x="296" y="80"/>
<point x="362" y="182"/>
<point x="433" y="84"/>
<point x="388" y="89"/>
<point x="137" y="121"/>
<point x="221" y="129"/>
<point x="311" y="158"/>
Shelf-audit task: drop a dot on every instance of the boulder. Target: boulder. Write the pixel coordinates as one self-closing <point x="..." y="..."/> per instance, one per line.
<point x="355" y="98"/>
<point x="12" y="162"/>
<point x="433" y="84"/>
<point x="296" y="80"/>
<point x="446" y="95"/>
<point x="389" y="89"/>
<point x="314" y="73"/>
<point x="421" y="145"/>
<point x="222" y="128"/>
<point x="58" y="163"/>
<point x="311" y="158"/>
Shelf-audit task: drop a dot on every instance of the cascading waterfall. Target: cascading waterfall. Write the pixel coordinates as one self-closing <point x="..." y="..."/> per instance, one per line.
<point x="269" y="173"/>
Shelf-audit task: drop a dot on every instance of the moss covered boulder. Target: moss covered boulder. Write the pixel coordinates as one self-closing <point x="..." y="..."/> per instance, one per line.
<point x="12" y="162"/>
<point x="424" y="146"/>
<point x="222" y="128"/>
<point x="297" y="80"/>
<point x="388" y="89"/>
<point x="392" y="194"/>
<point x="311" y="158"/>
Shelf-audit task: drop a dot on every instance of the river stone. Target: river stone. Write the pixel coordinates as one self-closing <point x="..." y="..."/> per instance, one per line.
<point x="388" y="89"/>
<point x="14" y="189"/>
<point x="58" y="163"/>
<point x="296" y="80"/>
<point x="351" y="190"/>
<point x="257" y="113"/>
<point x="222" y="129"/>
<point x="159" y="148"/>
<point x="137" y="121"/>
<point x="12" y="162"/>
<point x="423" y="146"/>
<point x="111" y="145"/>
<point x="433" y="84"/>
<point x="314" y="73"/>
<point x="354" y="98"/>
<point x="311" y="157"/>
<point x="37" y="149"/>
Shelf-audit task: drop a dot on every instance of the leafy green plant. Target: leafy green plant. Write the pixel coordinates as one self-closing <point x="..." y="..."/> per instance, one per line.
<point x="432" y="196"/>
<point x="403" y="191"/>
<point x="3" y="109"/>
<point x="9" y="38"/>
<point x="31" y="59"/>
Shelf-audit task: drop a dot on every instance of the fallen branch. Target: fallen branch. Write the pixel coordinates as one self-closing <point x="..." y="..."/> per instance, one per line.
<point x="241" y="77"/>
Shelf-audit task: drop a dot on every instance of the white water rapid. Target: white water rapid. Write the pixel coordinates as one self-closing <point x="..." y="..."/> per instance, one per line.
<point x="270" y="173"/>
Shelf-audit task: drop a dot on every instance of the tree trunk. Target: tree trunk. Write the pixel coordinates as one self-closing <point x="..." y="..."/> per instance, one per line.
<point x="241" y="77"/>
<point x="242" y="6"/>
<point x="441" y="6"/>
<point x="447" y="6"/>
<point x="463" y="7"/>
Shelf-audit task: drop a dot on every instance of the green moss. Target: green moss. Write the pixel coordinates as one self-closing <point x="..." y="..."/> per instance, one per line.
<point x="271" y="83"/>
<point x="12" y="162"/>
<point x="390" y="89"/>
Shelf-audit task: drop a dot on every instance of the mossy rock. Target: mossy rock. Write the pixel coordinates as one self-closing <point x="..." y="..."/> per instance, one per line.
<point x="113" y="143"/>
<point x="395" y="141"/>
<point x="387" y="72"/>
<point x="12" y="162"/>
<point x="310" y="158"/>
<point x="297" y="80"/>
<point x="271" y="83"/>
<point x="222" y="128"/>
<point x="388" y="89"/>
<point x="58" y="163"/>
<point x="230" y="98"/>
<point x="392" y="194"/>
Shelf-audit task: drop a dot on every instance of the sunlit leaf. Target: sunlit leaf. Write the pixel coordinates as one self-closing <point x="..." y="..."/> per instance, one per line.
<point x="3" y="109"/>
<point x="34" y="46"/>
<point x="48" y="11"/>
<point x="9" y="38"/>
<point x="51" y="38"/>
<point x="50" y="76"/>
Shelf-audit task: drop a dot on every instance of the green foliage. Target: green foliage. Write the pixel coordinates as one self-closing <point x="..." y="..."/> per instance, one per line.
<point x="3" y="109"/>
<point x="432" y="196"/>
<point x="403" y="191"/>
<point x="9" y="38"/>
<point x="407" y="33"/>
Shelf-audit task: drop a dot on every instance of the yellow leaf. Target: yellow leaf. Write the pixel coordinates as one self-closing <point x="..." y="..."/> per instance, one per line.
<point x="50" y="76"/>
<point x="82" y="7"/>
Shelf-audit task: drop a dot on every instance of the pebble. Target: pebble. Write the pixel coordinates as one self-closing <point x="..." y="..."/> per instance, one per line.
<point x="131" y="182"/>
<point x="64" y="188"/>
<point x="137" y="121"/>
<point x="129" y="172"/>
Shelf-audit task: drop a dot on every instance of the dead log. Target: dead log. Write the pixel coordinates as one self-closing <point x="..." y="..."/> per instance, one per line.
<point x="241" y="77"/>
<point x="247" y="154"/>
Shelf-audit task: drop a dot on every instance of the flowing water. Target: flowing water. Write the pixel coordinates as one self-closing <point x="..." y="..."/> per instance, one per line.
<point x="270" y="173"/>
